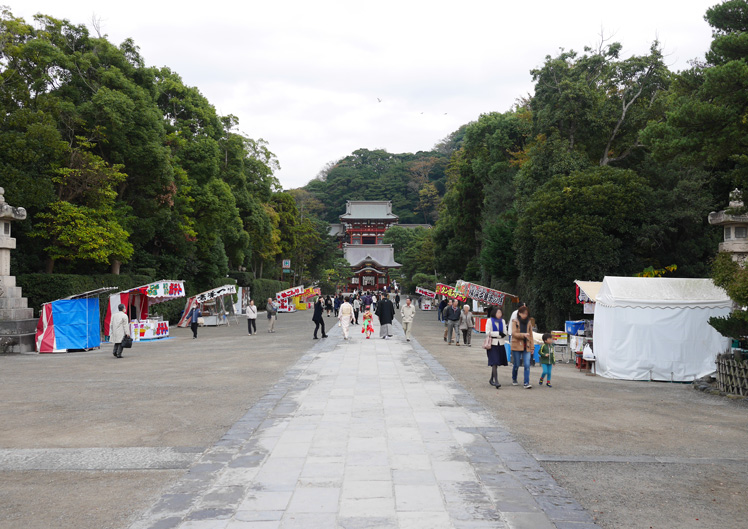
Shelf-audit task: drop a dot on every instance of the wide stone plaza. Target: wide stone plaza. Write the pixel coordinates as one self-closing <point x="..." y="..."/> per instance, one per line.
<point x="278" y="430"/>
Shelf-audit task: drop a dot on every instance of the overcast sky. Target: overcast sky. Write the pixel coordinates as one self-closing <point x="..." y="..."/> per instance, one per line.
<point x="306" y="76"/>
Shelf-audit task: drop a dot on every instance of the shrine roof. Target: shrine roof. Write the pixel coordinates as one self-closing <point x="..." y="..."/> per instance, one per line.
<point x="368" y="209"/>
<point x="365" y="254"/>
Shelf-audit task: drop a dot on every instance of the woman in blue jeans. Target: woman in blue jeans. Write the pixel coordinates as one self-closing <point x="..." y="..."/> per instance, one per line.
<point x="523" y="345"/>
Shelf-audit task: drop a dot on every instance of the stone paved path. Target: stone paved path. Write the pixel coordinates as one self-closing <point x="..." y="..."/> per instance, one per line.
<point x="366" y="434"/>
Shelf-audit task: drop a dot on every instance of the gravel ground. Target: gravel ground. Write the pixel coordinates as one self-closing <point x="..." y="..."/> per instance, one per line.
<point x="178" y="392"/>
<point x="185" y="393"/>
<point x="593" y="417"/>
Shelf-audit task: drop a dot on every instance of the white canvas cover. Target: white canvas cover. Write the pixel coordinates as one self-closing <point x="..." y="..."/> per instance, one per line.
<point x="657" y="328"/>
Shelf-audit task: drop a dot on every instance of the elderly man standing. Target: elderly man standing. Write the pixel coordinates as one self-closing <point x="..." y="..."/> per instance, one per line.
<point x="407" y="313"/>
<point x="453" y="321"/>
<point x="118" y="329"/>
<point x="272" y="312"/>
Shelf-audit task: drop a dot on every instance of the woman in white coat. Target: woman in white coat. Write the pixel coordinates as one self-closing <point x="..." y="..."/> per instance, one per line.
<point x="496" y="328"/>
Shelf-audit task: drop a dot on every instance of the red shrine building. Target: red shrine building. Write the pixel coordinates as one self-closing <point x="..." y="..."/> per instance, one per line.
<point x="360" y="233"/>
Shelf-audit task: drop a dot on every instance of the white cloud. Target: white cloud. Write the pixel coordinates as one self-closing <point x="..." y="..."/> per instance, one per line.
<point x="305" y="76"/>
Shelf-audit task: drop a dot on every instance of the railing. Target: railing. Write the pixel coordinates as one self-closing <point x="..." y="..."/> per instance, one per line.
<point x="732" y="374"/>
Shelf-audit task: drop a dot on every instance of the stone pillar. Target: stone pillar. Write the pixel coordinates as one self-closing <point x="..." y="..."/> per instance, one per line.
<point x="17" y="323"/>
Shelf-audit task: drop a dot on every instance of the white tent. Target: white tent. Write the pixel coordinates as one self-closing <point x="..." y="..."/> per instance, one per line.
<point x="650" y="328"/>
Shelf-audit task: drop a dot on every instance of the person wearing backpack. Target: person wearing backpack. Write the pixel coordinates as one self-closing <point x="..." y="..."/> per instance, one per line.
<point x="494" y="343"/>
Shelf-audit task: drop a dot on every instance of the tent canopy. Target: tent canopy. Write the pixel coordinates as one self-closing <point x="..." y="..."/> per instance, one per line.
<point x="657" y="328"/>
<point x="591" y="288"/>
<point x="660" y="292"/>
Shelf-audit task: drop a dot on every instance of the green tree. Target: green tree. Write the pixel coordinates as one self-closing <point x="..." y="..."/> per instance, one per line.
<point x="588" y="222"/>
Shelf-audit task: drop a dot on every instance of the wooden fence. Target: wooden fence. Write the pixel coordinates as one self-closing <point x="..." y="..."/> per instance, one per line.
<point x="732" y="374"/>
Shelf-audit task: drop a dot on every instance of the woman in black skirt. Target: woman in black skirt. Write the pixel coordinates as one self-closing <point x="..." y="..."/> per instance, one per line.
<point x="496" y="327"/>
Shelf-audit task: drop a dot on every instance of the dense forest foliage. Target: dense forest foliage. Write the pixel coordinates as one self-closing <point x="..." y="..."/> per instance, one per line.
<point x="609" y="167"/>
<point x="122" y="167"/>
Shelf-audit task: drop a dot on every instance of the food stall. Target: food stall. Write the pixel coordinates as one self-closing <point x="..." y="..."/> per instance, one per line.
<point x="139" y="302"/>
<point x="216" y="306"/>
<point x="286" y="297"/>
<point x="71" y="323"/>
<point x="484" y="296"/>
<point x="427" y="298"/>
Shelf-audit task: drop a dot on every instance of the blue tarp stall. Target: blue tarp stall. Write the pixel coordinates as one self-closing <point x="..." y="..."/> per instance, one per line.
<point x="69" y="324"/>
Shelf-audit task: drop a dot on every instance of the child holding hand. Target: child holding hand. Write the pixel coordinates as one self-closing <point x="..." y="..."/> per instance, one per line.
<point x="547" y="359"/>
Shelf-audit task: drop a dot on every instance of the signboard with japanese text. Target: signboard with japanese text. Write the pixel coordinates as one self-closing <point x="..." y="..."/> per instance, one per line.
<point x="285" y="298"/>
<point x="450" y="292"/>
<point x="425" y="292"/>
<point x="165" y="289"/>
<point x="286" y="263"/>
<point x="485" y="295"/>
<point x="215" y="293"/>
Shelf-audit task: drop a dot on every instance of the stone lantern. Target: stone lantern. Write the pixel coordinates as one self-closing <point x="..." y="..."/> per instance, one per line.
<point x="17" y="323"/>
<point x="735" y="229"/>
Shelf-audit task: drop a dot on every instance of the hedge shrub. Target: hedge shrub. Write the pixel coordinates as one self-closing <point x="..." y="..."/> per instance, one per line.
<point x="262" y="289"/>
<point x="43" y="288"/>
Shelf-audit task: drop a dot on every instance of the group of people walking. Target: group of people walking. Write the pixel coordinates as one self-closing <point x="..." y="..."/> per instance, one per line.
<point x="519" y="333"/>
<point x="348" y="309"/>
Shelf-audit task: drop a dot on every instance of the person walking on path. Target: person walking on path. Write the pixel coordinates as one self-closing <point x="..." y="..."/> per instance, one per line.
<point x="523" y="345"/>
<point x="119" y="328"/>
<point x="356" y="309"/>
<point x="374" y="303"/>
<point x="328" y="307"/>
<point x="452" y="313"/>
<point x="272" y="311"/>
<point x="193" y="320"/>
<point x="440" y="312"/>
<point x="467" y="322"/>
<point x="251" y="318"/>
<point x="385" y="313"/>
<point x="496" y="328"/>
<point x="407" y="313"/>
<point x="367" y="319"/>
<point x="512" y="318"/>
<point x="317" y="318"/>
<point x="345" y="315"/>
<point x="336" y="305"/>
<point x="397" y="301"/>
<point x="547" y="359"/>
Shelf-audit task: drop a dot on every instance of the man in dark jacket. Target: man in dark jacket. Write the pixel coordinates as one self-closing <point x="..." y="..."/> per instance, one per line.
<point x="397" y="301"/>
<point x="385" y="313"/>
<point x="453" y="320"/>
<point x="317" y="317"/>
<point x="442" y="306"/>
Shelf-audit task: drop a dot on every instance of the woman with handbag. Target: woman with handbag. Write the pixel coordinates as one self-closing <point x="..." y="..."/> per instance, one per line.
<point x="119" y="330"/>
<point x="494" y="343"/>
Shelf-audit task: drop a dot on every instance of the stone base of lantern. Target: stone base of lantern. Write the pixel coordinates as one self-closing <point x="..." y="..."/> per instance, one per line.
<point x="18" y="336"/>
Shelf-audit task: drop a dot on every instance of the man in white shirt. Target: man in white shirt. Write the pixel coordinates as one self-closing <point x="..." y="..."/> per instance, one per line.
<point x="512" y="318"/>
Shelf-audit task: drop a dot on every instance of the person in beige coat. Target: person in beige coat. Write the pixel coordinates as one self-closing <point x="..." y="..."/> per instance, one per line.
<point x="119" y="327"/>
<point x="407" y="314"/>
<point x="467" y="322"/>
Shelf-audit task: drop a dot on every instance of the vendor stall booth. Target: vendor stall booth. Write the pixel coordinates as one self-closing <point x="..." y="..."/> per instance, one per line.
<point x="216" y="306"/>
<point x="657" y="328"/>
<point x="139" y="301"/>
<point x="70" y="324"/>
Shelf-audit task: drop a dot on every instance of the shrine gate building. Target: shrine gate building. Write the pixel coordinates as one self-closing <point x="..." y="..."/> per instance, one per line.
<point x="360" y="235"/>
